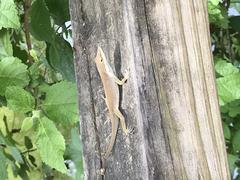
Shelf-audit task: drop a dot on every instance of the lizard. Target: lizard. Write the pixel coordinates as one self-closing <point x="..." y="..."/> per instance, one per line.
<point x="110" y="85"/>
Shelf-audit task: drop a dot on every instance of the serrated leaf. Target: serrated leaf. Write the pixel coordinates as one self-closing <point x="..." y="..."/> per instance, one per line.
<point x="61" y="58"/>
<point x="59" y="10"/>
<point x="5" y="44"/>
<point x="40" y="24"/>
<point x="3" y="165"/>
<point x="12" y="73"/>
<point x="232" y="108"/>
<point x="236" y="141"/>
<point x="224" y="68"/>
<point x="51" y="145"/>
<point x="229" y="88"/>
<point x="19" y="99"/>
<point x="231" y="162"/>
<point x="8" y="14"/>
<point x="61" y="103"/>
<point x="226" y="131"/>
<point x="27" y="124"/>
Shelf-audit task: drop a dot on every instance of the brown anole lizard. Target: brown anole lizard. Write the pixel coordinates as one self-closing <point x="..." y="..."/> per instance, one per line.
<point x="110" y="85"/>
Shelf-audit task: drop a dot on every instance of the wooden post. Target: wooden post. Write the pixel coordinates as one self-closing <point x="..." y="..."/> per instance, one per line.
<point x="169" y="99"/>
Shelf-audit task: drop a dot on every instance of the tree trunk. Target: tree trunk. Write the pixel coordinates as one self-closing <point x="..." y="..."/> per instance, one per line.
<point x="169" y="99"/>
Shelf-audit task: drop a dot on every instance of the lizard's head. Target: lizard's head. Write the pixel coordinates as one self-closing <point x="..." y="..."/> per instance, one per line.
<point x="100" y="59"/>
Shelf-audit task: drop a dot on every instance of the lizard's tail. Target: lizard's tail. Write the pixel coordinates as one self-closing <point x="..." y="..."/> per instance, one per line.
<point x="114" y="123"/>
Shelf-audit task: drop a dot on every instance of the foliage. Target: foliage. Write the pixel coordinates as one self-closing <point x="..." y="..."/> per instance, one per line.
<point x="217" y="14"/>
<point x="38" y="99"/>
<point x="225" y="29"/>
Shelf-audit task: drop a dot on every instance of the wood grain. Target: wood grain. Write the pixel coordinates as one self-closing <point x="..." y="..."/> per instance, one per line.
<point x="169" y="99"/>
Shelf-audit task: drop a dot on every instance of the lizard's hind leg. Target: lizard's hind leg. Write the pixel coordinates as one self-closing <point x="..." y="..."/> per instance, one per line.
<point x="122" y="120"/>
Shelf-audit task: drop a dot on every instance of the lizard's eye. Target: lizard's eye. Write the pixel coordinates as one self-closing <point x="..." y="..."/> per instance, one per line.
<point x="101" y="59"/>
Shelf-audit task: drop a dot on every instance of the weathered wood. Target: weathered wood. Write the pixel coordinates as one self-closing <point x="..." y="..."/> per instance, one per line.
<point x="170" y="98"/>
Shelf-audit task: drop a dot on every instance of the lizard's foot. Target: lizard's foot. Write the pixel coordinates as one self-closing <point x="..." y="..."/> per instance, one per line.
<point x="98" y="154"/>
<point x="106" y="122"/>
<point x="128" y="131"/>
<point x="101" y="172"/>
<point x="102" y="154"/>
<point x="104" y="98"/>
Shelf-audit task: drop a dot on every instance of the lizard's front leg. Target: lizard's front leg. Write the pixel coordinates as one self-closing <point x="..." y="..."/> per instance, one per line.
<point x="121" y="82"/>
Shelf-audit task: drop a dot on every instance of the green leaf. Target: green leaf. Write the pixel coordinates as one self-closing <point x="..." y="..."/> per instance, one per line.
<point x="236" y="141"/>
<point x="27" y="124"/>
<point x="34" y="72"/>
<point x="231" y="162"/>
<point x="5" y="44"/>
<point x="8" y="14"/>
<point x="224" y="68"/>
<point x="2" y="139"/>
<point x="217" y="14"/>
<point x="32" y="159"/>
<point x="16" y="154"/>
<point x="61" y="103"/>
<point x="40" y="24"/>
<point x="61" y="58"/>
<point x="3" y="165"/>
<point x="51" y="144"/>
<point x="34" y="55"/>
<point x="18" y="99"/>
<point x="228" y="88"/>
<point x="226" y="131"/>
<point x="12" y="73"/>
<point x="232" y="108"/>
<point x="214" y="2"/>
<point x="28" y="142"/>
<point x="59" y="10"/>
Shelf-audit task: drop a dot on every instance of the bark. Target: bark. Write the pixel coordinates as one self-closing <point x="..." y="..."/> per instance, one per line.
<point x="169" y="99"/>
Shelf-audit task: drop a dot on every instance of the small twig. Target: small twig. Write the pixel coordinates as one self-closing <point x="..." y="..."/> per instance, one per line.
<point x="229" y="44"/>
<point x="5" y="123"/>
<point x="3" y="146"/>
<point x="15" y="131"/>
<point x="28" y="151"/>
<point x="27" y="5"/>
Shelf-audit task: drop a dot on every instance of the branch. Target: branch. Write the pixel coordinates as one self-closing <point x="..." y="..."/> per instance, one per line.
<point x="27" y="5"/>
